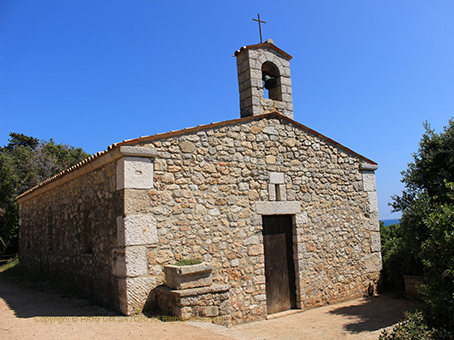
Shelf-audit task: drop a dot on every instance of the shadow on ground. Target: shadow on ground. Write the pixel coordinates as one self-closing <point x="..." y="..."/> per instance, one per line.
<point x="30" y="299"/>
<point x="376" y="312"/>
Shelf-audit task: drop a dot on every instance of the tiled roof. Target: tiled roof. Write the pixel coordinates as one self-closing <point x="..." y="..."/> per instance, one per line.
<point x="90" y="160"/>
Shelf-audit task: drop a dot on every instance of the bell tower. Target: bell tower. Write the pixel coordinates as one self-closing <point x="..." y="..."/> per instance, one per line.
<point x="264" y="80"/>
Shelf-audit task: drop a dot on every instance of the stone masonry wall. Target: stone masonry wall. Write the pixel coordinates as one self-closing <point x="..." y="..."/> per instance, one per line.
<point x="202" y="195"/>
<point x="206" y="188"/>
<point x="68" y="234"/>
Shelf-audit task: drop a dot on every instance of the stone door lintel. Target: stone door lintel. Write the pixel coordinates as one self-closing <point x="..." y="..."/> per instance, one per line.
<point x="278" y="208"/>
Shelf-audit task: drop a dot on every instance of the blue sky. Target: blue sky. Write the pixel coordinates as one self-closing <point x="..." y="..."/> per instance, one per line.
<point x="91" y="73"/>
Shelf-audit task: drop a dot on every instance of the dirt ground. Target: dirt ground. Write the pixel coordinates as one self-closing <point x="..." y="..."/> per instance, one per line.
<point x="363" y="319"/>
<point x="30" y="312"/>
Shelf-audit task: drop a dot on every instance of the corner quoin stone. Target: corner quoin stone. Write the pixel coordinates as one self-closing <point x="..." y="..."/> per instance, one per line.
<point x="134" y="173"/>
<point x="136" y="230"/>
<point x="133" y="293"/>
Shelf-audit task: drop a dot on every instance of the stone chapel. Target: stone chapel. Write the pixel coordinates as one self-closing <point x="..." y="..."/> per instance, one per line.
<point x="282" y="216"/>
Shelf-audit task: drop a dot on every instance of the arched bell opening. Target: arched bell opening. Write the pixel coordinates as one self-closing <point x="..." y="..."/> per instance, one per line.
<point x="271" y="81"/>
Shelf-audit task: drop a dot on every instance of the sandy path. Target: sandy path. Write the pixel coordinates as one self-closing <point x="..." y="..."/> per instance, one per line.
<point x="27" y="312"/>
<point x="361" y="319"/>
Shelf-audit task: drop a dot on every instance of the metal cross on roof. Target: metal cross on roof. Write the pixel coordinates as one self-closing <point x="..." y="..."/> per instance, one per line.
<point x="260" y="27"/>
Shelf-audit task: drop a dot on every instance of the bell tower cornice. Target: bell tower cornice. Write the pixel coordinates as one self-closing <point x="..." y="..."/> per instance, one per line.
<point x="269" y="43"/>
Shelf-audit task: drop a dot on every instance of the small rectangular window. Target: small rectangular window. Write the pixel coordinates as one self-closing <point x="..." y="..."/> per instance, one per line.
<point x="50" y="238"/>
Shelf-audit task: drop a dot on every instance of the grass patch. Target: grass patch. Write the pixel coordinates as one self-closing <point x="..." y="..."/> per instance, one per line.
<point x="188" y="262"/>
<point x="10" y="268"/>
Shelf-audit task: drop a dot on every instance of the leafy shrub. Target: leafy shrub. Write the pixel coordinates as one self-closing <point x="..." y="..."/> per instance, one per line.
<point x="415" y="327"/>
<point x="412" y="328"/>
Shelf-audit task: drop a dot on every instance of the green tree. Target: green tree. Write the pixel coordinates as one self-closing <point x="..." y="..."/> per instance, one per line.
<point x="392" y="255"/>
<point x="426" y="233"/>
<point x="437" y="254"/>
<point x="25" y="162"/>
<point x="424" y="178"/>
<point x="438" y="258"/>
<point x="433" y="165"/>
<point x="19" y="139"/>
<point x="8" y="206"/>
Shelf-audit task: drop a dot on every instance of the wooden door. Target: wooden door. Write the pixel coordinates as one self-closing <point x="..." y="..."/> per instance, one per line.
<point x="279" y="267"/>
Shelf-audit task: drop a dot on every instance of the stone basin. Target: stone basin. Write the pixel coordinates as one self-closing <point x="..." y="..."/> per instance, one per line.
<point x="185" y="277"/>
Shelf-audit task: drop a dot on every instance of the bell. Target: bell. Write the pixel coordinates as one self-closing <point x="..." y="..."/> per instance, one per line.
<point x="270" y="82"/>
